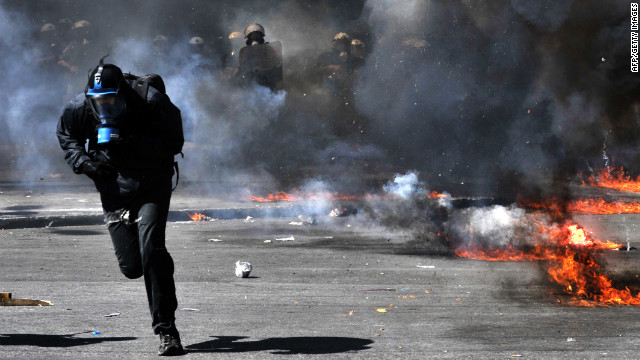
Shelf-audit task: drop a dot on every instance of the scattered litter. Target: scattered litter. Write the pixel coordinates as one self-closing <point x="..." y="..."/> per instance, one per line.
<point x="249" y="219"/>
<point x="381" y="310"/>
<point x="214" y="240"/>
<point x="7" y="300"/>
<point x="190" y="309"/>
<point x="243" y="269"/>
<point x="327" y="237"/>
<point x="267" y="241"/>
<point x="307" y="220"/>
<point x="351" y="312"/>
<point x="290" y="238"/>
<point x="406" y="296"/>
<point x="381" y="289"/>
<point x="341" y="211"/>
<point x="426" y="266"/>
<point x="297" y="223"/>
<point x="571" y="339"/>
<point x="112" y="315"/>
<point x="516" y="355"/>
<point x="49" y="224"/>
<point x="95" y="332"/>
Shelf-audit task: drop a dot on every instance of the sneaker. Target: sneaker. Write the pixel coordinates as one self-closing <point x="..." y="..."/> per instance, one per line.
<point x="170" y="345"/>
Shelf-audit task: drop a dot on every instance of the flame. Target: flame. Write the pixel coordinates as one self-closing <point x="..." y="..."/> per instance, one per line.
<point x="615" y="178"/>
<point x="198" y="217"/>
<point x="434" y="194"/>
<point x="572" y="264"/>
<point x="586" y="206"/>
<point x="300" y="196"/>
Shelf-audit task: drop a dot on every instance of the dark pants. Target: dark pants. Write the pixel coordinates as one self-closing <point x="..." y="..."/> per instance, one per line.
<point x="137" y="227"/>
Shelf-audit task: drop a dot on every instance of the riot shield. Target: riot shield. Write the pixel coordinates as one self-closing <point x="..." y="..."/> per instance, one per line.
<point x="262" y="63"/>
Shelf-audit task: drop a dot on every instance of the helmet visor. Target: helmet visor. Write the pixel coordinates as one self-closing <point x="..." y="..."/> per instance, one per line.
<point x="107" y="105"/>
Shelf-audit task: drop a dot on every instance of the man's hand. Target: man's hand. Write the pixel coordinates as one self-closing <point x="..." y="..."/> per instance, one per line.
<point x="99" y="170"/>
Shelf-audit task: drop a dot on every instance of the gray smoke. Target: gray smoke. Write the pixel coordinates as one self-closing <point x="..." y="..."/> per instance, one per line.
<point x="462" y="91"/>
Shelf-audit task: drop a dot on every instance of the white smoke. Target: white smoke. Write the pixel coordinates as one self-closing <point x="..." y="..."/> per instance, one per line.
<point x="404" y="185"/>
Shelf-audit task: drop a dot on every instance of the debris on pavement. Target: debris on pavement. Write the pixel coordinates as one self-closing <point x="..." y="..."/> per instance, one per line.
<point x="190" y="309"/>
<point x="290" y="238"/>
<point x="95" y="332"/>
<point x="297" y="223"/>
<point x="214" y="240"/>
<point x="381" y="310"/>
<point x="249" y="219"/>
<point x="379" y="289"/>
<point x="342" y="211"/>
<point x="351" y="312"/>
<point x="112" y="314"/>
<point x="571" y="339"/>
<point x="308" y="220"/>
<point x="426" y="266"/>
<point x="7" y="300"/>
<point x="243" y="269"/>
<point x="267" y="241"/>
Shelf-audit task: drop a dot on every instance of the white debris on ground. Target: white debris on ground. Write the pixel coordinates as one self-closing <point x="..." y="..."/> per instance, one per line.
<point x="249" y="219"/>
<point x="290" y="238"/>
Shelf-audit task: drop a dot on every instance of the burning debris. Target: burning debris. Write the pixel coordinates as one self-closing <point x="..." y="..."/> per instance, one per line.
<point x="201" y="217"/>
<point x="306" y="196"/>
<point x="614" y="178"/>
<point x="586" y="206"/>
<point x="571" y="253"/>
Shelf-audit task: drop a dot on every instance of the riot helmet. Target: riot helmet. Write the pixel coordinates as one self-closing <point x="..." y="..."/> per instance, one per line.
<point x="48" y="34"/>
<point x="358" y="49"/>
<point x="81" y="31"/>
<point x="341" y="42"/>
<point x="64" y="26"/>
<point x="47" y="27"/>
<point x="196" y="40"/>
<point x="103" y="93"/>
<point x="254" y="34"/>
<point x="160" y="45"/>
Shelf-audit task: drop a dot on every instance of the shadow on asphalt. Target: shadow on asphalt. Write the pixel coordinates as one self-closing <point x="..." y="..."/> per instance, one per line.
<point x="283" y="346"/>
<point x="62" y="341"/>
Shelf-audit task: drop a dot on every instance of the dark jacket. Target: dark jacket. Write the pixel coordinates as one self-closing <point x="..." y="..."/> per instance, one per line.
<point x="151" y="131"/>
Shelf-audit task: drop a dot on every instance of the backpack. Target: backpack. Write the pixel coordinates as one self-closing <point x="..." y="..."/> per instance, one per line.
<point x="141" y="83"/>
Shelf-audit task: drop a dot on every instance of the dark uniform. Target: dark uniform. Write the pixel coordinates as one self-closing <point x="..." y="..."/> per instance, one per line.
<point x="134" y="178"/>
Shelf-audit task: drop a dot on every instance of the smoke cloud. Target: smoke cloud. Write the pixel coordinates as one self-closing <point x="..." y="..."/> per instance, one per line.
<point x="463" y="92"/>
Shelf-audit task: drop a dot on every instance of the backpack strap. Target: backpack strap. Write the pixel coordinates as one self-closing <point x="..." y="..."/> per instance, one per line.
<point x="175" y="165"/>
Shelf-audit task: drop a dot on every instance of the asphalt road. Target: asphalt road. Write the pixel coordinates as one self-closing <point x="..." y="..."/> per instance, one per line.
<point x="317" y="296"/>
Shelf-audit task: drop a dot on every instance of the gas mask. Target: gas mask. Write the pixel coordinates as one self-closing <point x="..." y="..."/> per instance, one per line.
<point x="108" y="106"/>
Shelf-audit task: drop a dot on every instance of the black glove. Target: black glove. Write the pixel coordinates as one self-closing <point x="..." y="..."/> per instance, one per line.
<point x="99" y="170"/>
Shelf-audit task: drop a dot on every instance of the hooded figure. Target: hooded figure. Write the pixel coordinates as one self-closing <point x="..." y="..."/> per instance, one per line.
<point x="132" y="139"/>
